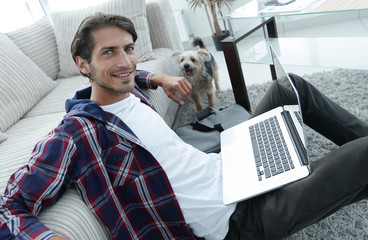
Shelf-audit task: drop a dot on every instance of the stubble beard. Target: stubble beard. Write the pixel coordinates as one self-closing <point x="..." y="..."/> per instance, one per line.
<point x="94" y="78"/>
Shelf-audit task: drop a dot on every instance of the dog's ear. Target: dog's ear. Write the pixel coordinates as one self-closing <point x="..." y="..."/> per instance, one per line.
<point x="205" y="54"/>
<point x="177" y="53"/>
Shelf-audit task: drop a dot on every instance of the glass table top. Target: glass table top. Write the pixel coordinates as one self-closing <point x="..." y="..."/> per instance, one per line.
<point x="260" y="8"/>
<point x="315" y="52"/>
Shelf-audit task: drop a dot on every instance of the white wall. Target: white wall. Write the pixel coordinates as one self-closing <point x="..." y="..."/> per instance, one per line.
<point x="197" y="22"/>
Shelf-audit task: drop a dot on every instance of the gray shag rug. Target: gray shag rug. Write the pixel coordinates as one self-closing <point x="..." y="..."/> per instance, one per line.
<point x="349" y="88"/>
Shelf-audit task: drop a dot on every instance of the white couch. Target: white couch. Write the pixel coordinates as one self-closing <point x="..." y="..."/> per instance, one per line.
<point x="37" y="75"/>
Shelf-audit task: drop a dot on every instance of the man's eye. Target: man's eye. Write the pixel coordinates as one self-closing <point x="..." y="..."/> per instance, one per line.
<point x="128" y="49"/>
<point x="108" y="52"/>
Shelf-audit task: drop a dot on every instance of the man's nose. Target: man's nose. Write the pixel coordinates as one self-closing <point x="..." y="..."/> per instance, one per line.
<point x="123" y="59"/>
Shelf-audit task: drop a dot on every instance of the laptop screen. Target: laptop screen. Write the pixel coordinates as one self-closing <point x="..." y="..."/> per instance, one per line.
<point x="285" y="81"/>
<point x="281" y="75"/>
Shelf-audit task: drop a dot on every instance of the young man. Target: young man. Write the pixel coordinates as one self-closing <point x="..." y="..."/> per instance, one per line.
<point x="143" y="182"/>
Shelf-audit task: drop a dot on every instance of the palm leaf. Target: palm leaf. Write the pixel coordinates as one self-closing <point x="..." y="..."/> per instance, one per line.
<point x="193" y="4"/>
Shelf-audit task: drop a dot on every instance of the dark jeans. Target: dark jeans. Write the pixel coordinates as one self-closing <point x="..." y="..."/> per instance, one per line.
<point x="337" y="179"/>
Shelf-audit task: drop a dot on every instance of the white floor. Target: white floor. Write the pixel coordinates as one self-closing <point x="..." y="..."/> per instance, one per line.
<point x="258" y="73"/>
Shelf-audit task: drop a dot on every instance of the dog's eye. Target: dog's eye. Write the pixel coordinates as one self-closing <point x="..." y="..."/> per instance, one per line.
<point x="193" y="59"/>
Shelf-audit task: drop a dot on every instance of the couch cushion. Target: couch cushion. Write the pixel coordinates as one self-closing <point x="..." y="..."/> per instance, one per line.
<point x="22" y="83"/>
<point x="3" y="137"/>
<point x="54" y="102"/>
<point x="66" y="24"/>
<point x="161" y="21"/>
<point x="38" y="42"/>
<point x="71" y="218"/>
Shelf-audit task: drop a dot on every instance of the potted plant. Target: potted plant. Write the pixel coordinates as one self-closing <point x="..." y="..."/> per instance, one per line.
<point x="213" y="10"/>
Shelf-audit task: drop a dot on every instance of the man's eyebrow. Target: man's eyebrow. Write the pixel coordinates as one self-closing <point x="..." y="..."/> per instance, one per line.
<point x="115" y="47"/>
<point x="130" y="45"/>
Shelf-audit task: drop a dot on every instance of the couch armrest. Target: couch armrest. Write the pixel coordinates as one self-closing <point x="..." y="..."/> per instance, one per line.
<point x="163" y="33"/>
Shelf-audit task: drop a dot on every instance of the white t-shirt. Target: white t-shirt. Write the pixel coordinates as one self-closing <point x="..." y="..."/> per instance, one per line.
<point x="194" y="176"/>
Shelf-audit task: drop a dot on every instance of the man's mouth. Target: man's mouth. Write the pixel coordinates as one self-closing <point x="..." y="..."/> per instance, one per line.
<point x="123" y="74"/>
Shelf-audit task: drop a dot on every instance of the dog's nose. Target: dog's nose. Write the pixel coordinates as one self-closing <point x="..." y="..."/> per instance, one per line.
<point x="186" y="66"/>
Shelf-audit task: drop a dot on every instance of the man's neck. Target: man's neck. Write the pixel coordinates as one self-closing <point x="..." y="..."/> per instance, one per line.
<point x="103" y="99"/>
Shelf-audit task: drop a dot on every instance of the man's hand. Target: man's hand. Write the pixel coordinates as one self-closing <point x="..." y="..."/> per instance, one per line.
<point x="171" y="85"/>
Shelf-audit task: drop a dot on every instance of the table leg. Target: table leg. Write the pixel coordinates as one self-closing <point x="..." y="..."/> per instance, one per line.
<point x="272" y="33"/>
<point x="236" y="75"/>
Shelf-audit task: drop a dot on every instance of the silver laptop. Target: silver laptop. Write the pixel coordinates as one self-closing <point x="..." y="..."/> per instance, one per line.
<point x="264" y="152"/>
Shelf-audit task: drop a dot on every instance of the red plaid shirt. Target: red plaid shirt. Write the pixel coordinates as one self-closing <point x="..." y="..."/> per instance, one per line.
<point x="117" y="178"/>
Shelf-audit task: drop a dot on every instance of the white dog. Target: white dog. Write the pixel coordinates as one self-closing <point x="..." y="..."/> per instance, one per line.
<point x="200" y="68"/>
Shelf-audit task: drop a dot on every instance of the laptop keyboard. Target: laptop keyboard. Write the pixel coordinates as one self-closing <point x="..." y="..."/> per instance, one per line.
<point x="270" y="151"/>
<point x="297" y="115"/>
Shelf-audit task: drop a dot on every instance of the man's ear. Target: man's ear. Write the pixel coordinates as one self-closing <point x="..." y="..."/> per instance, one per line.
<point x="82" y="65"/>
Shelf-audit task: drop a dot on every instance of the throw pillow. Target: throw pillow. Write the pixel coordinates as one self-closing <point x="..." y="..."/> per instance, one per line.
<point x="22" y="83"/>
<point x="38" y="42"/>
<point x="3" y="137"/>
<point x="66" y="24"/>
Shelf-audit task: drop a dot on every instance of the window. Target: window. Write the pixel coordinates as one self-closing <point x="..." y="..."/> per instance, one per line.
<point x="15" y="14"/>
<point x="67" y="5"/>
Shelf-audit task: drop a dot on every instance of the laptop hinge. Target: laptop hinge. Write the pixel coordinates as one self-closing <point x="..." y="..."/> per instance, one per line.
<point x="298" y="143"/>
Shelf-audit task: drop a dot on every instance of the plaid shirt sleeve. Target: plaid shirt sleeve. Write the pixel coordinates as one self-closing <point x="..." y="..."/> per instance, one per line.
<point x="143" y="79"/>
<point x="23" y="199"/>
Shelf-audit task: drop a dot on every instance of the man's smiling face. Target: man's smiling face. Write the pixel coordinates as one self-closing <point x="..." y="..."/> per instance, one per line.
<point x="113" y="65"/>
